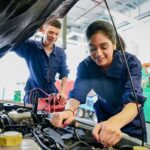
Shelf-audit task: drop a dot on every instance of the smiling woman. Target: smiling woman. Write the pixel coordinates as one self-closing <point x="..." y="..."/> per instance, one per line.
<point x="102" y="43"/>
<point x="104" y="71"/>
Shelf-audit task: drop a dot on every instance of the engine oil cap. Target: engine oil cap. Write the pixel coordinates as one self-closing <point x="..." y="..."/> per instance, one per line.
<point x="10" y="138"/>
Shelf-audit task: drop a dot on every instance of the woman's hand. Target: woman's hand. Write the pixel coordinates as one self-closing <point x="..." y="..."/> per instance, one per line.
<point x="62" y="119"/>
<point x="107" y="133"/>
<point x="61" y="95"/>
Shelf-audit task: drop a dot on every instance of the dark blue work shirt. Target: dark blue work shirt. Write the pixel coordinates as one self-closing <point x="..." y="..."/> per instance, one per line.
<point x="113" y="88"/>
<point x="42" y="68"/>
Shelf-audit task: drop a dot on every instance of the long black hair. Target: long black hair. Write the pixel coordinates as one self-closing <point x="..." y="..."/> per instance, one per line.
<point x="103" y="27"/>
<point x="107" y="29"/>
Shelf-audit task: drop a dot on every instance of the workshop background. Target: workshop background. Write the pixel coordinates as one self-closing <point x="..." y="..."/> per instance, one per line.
<point x="132" y="19"/>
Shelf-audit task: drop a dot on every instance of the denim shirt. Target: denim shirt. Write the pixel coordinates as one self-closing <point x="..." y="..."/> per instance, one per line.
<point x="113" y="88"/>
<point x="42" y="68"/>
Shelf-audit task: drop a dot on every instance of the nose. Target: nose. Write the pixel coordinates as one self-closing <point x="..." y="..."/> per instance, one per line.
<point x="99" y="52"/>
<point x="53" y="35"/>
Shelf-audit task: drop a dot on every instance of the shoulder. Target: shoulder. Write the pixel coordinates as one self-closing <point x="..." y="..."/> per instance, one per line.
<point x="86" y="62"/>
<point x="132" y="60"/>
<point x="30" y="42"/>
<point x="23" y="47"/>
<point x="85" y="65"/>
<point x="35" y="44"/>
<point x="134" y="64"/>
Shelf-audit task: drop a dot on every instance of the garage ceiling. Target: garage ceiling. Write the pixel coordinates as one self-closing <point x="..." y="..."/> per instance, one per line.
<point x="126" y="14"/>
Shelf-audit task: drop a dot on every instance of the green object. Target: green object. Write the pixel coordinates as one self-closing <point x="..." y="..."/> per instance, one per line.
<point x="17" y="96"/>
<point x="146" y="92"/>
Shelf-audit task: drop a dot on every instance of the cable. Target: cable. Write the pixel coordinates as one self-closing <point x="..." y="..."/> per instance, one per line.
<point x="39" y="141"/>
<point x="53" y="101"/>
<point x="30" y="92"/>
<point x="35" y="102"/>
<point x="35" y="117"/>
<point x="10" y="122"/>
<point x="39" y="89"/>
<point x="52" y="140"/>
<point x="2" y="126"/>
<point x="49" y="103"/>
<point x="128" y="70"/>
<point x="25" y="97"/>
<point x="75" y="131"/>
<point x="32" y="97"/>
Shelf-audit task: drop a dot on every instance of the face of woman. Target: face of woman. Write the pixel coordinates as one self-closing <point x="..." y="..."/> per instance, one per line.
<point x="101" y="49"/>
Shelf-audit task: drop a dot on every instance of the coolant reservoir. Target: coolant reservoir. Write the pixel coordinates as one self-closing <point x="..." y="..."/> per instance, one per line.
<point x="19" y="116"/>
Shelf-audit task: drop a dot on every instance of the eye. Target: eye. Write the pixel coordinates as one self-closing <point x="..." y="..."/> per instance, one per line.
<point x="104" y="47"/>
<point x="50" y="32"/>
<point x="92" y="48"/>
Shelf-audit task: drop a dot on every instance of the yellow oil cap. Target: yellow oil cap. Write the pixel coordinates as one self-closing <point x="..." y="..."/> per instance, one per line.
<point x="140" y="148"/>
<point x="10" y="138"/>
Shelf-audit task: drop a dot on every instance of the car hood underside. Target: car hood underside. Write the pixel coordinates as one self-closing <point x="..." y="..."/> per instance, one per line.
<point x="20" y="19"/>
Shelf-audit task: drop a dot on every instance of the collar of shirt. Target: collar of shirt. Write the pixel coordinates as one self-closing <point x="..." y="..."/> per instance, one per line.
<point x="114" y="69"/>
<point x="40" y="45"/>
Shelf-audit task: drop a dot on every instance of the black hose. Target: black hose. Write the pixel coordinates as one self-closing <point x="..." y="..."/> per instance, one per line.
<point x="39" y="141"/>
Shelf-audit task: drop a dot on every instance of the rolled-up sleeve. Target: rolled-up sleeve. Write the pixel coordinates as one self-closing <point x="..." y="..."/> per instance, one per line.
<point x="82" y="85"/>
<point x="63" y="69"/>
<point x="135" y="70"/>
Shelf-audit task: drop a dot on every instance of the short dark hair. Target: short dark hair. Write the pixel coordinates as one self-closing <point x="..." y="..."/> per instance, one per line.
<point x="101" y="26"/>
<point x="53" y="22"/>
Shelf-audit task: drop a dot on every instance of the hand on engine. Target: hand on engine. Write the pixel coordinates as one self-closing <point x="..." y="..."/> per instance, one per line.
<point x="62" y="119"/>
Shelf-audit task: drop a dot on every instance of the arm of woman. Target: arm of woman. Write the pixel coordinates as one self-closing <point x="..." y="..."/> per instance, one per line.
<point x="62" y="119"/>
<point x="77" y="96"/>
<point x="109" y="132"/>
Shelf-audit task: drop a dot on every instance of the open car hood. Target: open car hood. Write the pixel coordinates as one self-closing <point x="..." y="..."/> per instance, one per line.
<point x="19" y="19"/>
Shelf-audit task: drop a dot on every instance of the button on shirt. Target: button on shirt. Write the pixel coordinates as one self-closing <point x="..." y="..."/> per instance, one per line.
<point x="113" y="88"/>
<point x="42" y="68"/>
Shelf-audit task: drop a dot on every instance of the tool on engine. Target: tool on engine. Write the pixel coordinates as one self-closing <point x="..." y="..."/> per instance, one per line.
<point x="127" y="141"/>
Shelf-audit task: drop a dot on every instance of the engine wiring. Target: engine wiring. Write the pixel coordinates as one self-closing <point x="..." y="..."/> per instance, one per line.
<point x="51" y="100"/>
